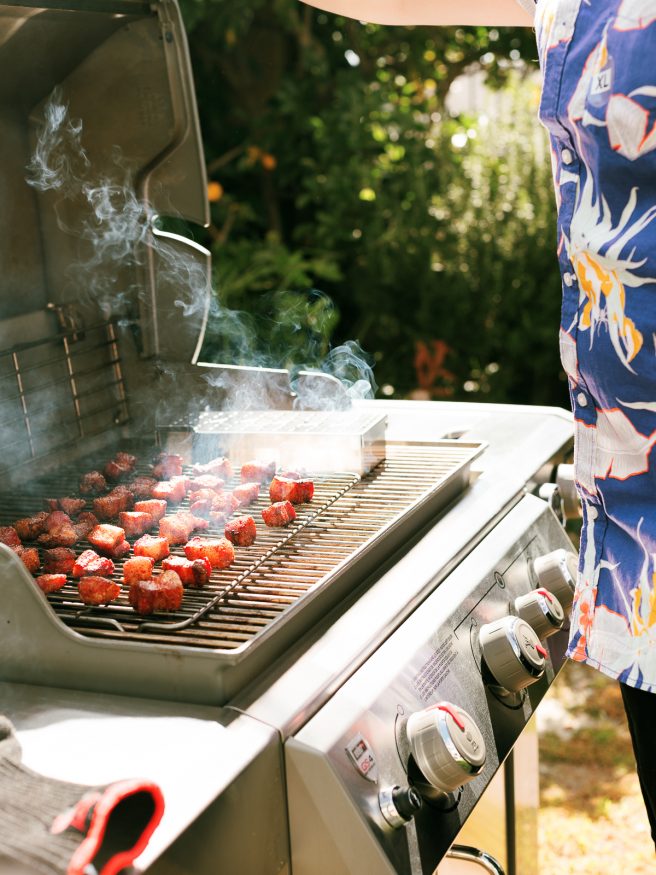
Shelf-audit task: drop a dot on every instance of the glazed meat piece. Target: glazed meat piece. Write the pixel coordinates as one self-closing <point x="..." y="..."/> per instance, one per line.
<point x="120" y="550"/>
<point x="192" y="572"/>
<point x="202" y="495"/>
<point x="201" y="507"/>
<point x="126" y="459"/>
<point x="154" y="506"/>
<point x="220" y="467"/>
<point x="29" y="528"/>
<point x="142" y="487"/>
<point x="58" y="560"/>
<point x="138" y="568"/>
<point x="120" y="466"/>
<point x="29" y="557"/>
<point x="109" y="506"/>
<point x="92" y="483"/>
<point x="125" y="497"/>
<point x="71" y="506"/>
<point x="90" y="564"/>
<point x="150" y="545"/>
<point x="225" y="503"/>
<point x="59" y="531"/>
<point x="50" y="582"/>
<point x="258" y="471"/>
<point x="247" y="493"/>
<point x="162" y="593"/>
<point x="220" y="553"/>
<point x="241" y="531"/>
<point x="106" y="539"/>
<point x="167" y="465"/>
<point x="135" y="523"/>
<point x="178" y="527"/>
<point x="98" y="590"/>
<point x="173" y="490"/>
<point x="9" y="536"/>
<point x="288" y="489"/>
<point x="207" y="481"/>
<point x="281" y="513"/>
<point x="218" y="519"/>
<point x="84" y="523"/>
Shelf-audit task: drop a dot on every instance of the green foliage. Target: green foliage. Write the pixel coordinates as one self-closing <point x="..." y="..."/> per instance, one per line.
<point x="340" y="168"/>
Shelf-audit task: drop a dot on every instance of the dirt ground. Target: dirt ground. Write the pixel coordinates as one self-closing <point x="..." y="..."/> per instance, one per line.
<point x="592" y="820"/>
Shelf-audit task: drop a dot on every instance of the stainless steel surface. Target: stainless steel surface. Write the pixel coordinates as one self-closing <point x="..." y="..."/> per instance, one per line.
<point x="478" y="857"/>
<point x="431" y="657"/>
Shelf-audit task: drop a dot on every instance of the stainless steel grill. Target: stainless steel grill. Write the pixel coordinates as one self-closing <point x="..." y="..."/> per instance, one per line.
<point x="333" y="535"/>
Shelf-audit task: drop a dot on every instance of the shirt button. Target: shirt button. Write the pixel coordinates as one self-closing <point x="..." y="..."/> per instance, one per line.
<point x="569" y="278"/>
<point x="567" y="156"/>
<point x="582" y="399"/>
<point x="593" y="513"/>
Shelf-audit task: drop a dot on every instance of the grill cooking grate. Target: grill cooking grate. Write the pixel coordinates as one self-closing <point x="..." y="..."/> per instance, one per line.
<point x="346" y="516"/>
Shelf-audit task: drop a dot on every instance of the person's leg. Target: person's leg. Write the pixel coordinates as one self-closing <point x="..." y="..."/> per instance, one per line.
<point x="640" y="708"/>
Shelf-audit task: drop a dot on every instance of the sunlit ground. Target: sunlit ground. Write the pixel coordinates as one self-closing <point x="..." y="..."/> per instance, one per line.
<point x="592" y="820"/>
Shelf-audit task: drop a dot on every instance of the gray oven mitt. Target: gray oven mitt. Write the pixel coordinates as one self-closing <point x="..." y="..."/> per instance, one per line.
<point x="49" y="826"/>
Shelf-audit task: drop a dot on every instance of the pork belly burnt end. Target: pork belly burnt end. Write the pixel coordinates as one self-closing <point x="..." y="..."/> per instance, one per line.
<point x="58" y="560"/>
<point x="72" y="506"/>
<point x="90" y="564"/>
<point x="241" y="531"/>
<point x="59" y="531"/>
<point x="219" y="467"/>
<point x="142" y="487"/>
<point x="135" y="523"/>
<point x="192" y="572"/>
<point x="219" y="553"/>
<point x="138" y="568"/>
<point x="9" y="536"/>
<point x="289" y="489"/>
<point x="247" y="493"/>
<point x="154" y="506"/>
<point x="162" y="593"/>
<point x="120" y="466"/>
<point x="84" y="523"/>
<point x="29" y="556"/>
<point x="173" y="490"/>
<point x="92" y="483"/>
<point x="167" y="465"/>
<point x="281" y="513"/>
<point x="98" y="590"/>
<point x="150" y="545"/>
<point x="106" y="538"/>
<point x="207" y="481"/>
<point x="29" y="528"/>
<point x="258" y="471"/>
<point x="178" y="527"/>
<point x="50" y="582"/>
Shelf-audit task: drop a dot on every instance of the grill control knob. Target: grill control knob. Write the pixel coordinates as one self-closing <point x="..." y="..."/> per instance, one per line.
<point x="567" y="488"/>
<point x="447" y="745"/>
<point x="557" y="572"/>
<point x="513" y="652"/>
<point x="398" y="805"/>
<point x="542" y="611"/>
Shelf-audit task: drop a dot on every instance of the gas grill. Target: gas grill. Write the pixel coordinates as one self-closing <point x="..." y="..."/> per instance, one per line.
<point x="276" y="707"/>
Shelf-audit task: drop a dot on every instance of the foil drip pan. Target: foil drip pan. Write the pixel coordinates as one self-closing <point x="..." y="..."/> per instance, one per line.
<point x="301" y="440"/>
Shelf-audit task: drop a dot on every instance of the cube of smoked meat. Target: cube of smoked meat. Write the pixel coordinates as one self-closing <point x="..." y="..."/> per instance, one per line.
<point x="173" y="490"/>
<point x="178" y="527"/>
<point x="225" y="503"/>
<point x="9" y="536"/>
<point x="29" y="557"/>
<point x="120" y="466"/>
<point x="207" y="481"/>
<point x="246" y="493"/>
<point x="241" y="531"/>
<point x="124" y="495"/>
<point x="89" y="563"/>
<point x="192" y="572"/>
<point x="59" y="531"/>
<point x="126" y="459"/>
<point x="150" y="545"/>
<point x="50" y="582"/>
<point x="220" y="553"/>
<point x="202" y="495"/>
<point x="107" y="507"/>
<point x="218" y="519"/>
<point x="106" y="538"/>
<point x="142" y="487"/>
<point x="120" y="550"/>
<point x="220" y="467"/>
<point x="135" y="523"/>
<point x="154" y="506"/>
<point x="98" y="590"/>
<point x="138" y="568"/>
<point x="162" y="593"/>
<point x="288" y="489"/>
<point x="167" y="465"/>
<point x="257" y="470"/>
<point x="58" y="560"/>
<point x="201" y="507"/>
<point x="84" y="523"/>
<point x="29" y="528"/>
<point x="92" y="483"/>
<point x="72" y="506"/>
<point x="279" y="514"/>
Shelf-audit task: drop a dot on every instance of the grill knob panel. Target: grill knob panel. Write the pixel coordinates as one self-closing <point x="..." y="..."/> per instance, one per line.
<point x="447" y="745"/>
<point x="513" y="652"/>
<point x="557" y="572"/>
<point x="567" y="488"/>
<point x="542" y="611"/>
<point x="398" y="805"/>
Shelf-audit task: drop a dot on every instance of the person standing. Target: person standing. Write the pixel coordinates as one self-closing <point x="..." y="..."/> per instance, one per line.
<point x="598" y="103"/>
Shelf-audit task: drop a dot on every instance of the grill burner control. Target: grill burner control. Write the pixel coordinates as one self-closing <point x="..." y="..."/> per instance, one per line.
<point x="542" y="611"/>
<point x="567" y="488"/>
<point x="447" y="745"/>
<point x="557" y="572"/>
<point x="398" y="805"/>
<point x="513" y="652"/>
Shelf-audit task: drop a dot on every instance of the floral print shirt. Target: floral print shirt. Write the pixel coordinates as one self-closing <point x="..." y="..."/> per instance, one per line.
<point x="598" y="60"/>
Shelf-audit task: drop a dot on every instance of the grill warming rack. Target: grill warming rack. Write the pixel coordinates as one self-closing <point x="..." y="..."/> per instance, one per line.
<point x="232" y="629"/>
